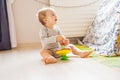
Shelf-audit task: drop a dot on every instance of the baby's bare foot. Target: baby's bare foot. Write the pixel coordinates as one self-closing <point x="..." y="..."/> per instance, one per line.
<point x="49" y="60"/>
<point x="85" y="54"/>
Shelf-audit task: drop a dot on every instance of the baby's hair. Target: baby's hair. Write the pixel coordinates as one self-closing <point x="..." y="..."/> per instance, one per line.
<point x="41" y="14"/>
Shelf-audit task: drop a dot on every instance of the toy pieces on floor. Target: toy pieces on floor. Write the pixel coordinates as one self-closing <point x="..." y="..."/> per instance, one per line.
<point x="83" y="47"/>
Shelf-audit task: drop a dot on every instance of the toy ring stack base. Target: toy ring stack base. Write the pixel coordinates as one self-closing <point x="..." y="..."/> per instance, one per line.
<point x="64" y="57"/>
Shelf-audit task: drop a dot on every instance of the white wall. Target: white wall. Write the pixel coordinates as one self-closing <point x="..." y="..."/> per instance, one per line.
<point x="26" y="23"/>
<point x="74" y="21"/>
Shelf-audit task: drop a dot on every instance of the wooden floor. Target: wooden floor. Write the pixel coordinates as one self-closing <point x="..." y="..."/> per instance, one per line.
<point x="25" y="64"/>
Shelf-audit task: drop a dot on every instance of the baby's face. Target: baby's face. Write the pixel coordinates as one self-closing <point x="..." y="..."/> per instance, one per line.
<point x="51" y="17"/>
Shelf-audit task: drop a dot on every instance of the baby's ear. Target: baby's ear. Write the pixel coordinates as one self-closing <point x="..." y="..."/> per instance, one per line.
<point x="45" y="20"/>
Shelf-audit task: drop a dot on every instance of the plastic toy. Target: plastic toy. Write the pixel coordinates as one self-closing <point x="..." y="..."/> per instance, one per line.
<point x="63" y="52"/>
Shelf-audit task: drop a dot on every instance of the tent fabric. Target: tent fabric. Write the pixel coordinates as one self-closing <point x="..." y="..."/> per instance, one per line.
<point x="103" y="33"/>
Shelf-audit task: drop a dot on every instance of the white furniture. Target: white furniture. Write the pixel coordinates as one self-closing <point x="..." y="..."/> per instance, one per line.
<point x="11" y="23"/>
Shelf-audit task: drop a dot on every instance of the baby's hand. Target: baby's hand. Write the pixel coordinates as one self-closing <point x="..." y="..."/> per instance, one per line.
<point x="66" y="41"/>
<point x="60" y="38"/>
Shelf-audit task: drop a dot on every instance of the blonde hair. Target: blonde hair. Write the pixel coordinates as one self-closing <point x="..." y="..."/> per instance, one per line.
<point x="41" y="14"/>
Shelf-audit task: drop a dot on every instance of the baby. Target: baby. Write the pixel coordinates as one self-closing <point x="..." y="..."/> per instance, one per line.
<point x="52" y="37"/>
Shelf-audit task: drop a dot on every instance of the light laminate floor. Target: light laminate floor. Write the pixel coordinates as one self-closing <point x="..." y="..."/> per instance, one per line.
<point x="25" y="64"/>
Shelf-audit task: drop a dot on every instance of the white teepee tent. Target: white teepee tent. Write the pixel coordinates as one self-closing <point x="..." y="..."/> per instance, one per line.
<point x="102" y="35"/>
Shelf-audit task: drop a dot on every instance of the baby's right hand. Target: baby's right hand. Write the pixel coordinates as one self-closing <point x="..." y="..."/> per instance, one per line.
<point x="66" y="41"/>
<point x="60" y="38"/>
